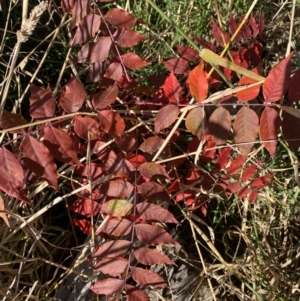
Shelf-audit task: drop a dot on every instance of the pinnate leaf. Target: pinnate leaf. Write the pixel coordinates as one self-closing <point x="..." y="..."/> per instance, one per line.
<point x="188" y="53"/>
<point x="172" y="88"/>
<point x="153" y="235"/>
<point x="104" y="98"/>
<point x="223" y="158"/>
<point x="73" y="96"/>
<point x="117" y="188"/>
<point x="294" y="88"/>
<point x="152" y="169"/>
<point x="112" y="267"/>
<point x="128" y="38"/>
<point x="269" y="125"/>
<point x="79" y="11"/>
<point x="120" y="18"/>
<point x="146" y="277"/>
<point x="112" y="249"/>
<point x="111" y="122"/>
<point x="107" y="286"/>
<point x="11" y="175"/>
<point x="165" y="117"/>
<point x="236" y="165"/>
<point x="177" y="65"/>
<point x="195" y="122"/>
<point x="134" y="293"/>
<point x="87" y="29"/>
<point x="84" y="225"/>
<point x="85" y="207"/>
<point x="117" y="166"/>
<point x="151" y="144"/>
<point x="245" y="129"/>
<point x="9" y="120"/>
<point x="277" y="81"/>
<point x="154" y="212"/>
<point x="126" y="142"/>
<point x="198" y="84"/>
<point x="133" y="61"/>
<point x="60" y="145"/>
<point x="42" y="103"/>
<point x="219" y="125"/>
<point x="221" y="37"/>
<point x="261" y="182"/>
<point x="84" y="125"/>
<point x="114" y="71"/>
<point x="38" y="159"/>
<point x="248" y="172"/>
<point x="116" y="227"/>
<point x="116" y="207"/>
<point x="148" y="256"/>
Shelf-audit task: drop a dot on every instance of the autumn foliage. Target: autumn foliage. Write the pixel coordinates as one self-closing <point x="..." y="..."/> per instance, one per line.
<point x="181" y="139"/>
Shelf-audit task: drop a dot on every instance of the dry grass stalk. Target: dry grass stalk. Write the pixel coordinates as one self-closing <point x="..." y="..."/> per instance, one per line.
<point x="29" y="25"/>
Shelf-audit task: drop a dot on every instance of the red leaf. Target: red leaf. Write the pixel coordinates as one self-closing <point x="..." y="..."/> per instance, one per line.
<point x="243" y="192"/>
<point x="42" y="103"/>
<point x="84" y="207"/>
<point x="133" y="293"/>
<point x="9" y="120"/>
<point x="84" y="125"/>
<point x="219" y="36"/>
<point x="205" y="44"/>
<point x="233" y="27"/>
<point x="107" y="286"/>
<point x="148" y="256"/>
<point x="146" y="277"/>
<point x="153" y="192"/>
<point x="84" y="225"/>
<point x="209" y="149"/>
<point x="112" y="267"/>
<point x="223" y="158"/>
<point x="290" y="131"/>
<point x="269" y="125"/>
<point x="253" y="196"/>
<point x="87" y="29"/>
<point x="154" y="212"/>
<point x="93" y="170"/>
<point x="117" y="188"/>
<point x="95" y="72"/>
<point x="294" y="88"/>
<point x="104" y="98"/>
<point x="2" y="213"/>
<point x="114" y="71"/>
<point x="165" y="117"/>
<point x="261" y="182"/>
<point x="11" y="175"/>
<point x="277" y="81"/>
<point x="249" y="93"/>
<point x="73" y="96"/>
<point x="197" y="82"/>
<point x="79" y="11"/>
<point x="177" y="65"/>
<point x="128" y="38"/>
<point x="67" y="5"/>
<point x="136" y="160"/>
<point x="38" y="159"/>
<point x="246" y="31"/>
<point x="254" y="26"/>
<point x="151" y="169"/>
<point x="153" y="235"/>
<point x="95" y="52"/>
<point x="195" y="122"/>
<point x="116" y="227"/>
<point x="112" y="249"/>
<point x="172" y="88"/>
<point x="248" y="172"/>
<point x="117" y="207"/>
<point x="219" y="125"/>
<point x="245" y="129"/>
<point x="60" y="145"/>
<point x="151" y="144"/>
<point x="117" y="166"/>
<point x="111" y="122"/>
<point x="126" y="143"/>
<point x="188" y="53"/>
<point x="120" y="18"/>
<point x="234" y="187"/>
<point x="133" y="61"/>
<point x="236" y="165"/>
